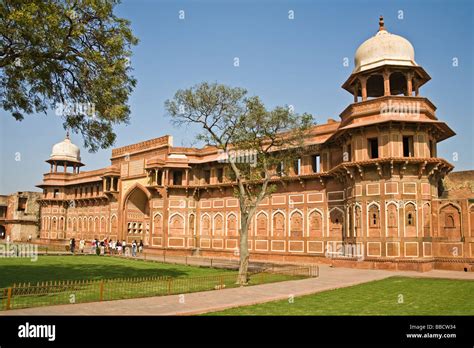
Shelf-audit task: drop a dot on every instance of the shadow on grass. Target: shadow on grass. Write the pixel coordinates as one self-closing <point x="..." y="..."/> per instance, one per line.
<point x="10" y="274"/>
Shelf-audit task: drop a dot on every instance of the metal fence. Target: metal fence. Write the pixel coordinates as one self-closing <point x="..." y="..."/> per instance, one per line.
<point x="26" y="295"/>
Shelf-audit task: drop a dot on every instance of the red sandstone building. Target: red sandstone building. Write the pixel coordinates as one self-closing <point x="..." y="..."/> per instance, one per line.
<point x="370" y="180"/>
<point x="19" y="216"/>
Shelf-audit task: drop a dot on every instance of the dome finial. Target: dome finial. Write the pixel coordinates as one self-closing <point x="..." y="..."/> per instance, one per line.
<point x="381" y="23"/>
<point x="67" y="134"/>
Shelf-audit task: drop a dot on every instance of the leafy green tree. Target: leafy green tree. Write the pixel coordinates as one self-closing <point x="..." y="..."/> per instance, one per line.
<point x="71" y="55"/>
<point x="255" y="141"/>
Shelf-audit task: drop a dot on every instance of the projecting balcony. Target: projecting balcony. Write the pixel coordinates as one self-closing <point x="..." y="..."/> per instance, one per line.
<point x="402" y="108"/>
<point x="391" y="165"/>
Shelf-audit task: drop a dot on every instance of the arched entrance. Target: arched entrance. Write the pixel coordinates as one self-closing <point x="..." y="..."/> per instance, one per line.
<point x="137" y="216"/>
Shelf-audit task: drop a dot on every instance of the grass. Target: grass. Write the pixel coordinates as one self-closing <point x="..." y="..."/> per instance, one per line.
<point x="391" y="296"/>
<point x="90" y="267"/>
<point x="179" y="279"/>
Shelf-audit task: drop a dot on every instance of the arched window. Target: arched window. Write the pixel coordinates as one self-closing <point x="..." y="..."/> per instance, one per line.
<point x="218" y="225"/>
<point x="398" y="83"/>
<point x="315" y="224"/>
<point x="278" y="225"/>
<point x="191" y="227"/>
<point x="374" y="216"/>
<point x="375" y="86"/>
<point x="232" y="225"/>
<point x="296" y="224"/>
<point x="205" y="225"/>
<point x="114" y="224"/>
<point x="336" y="223"/>
<point x="410" y="219"/>
<point x="157" y="225"/>
<point x="449" y="221"/>
<point x="262" y="224"/>
<point x="176" y="225"/>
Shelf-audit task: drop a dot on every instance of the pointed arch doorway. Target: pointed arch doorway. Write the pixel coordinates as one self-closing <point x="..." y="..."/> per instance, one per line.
<point x="137" y="219"/>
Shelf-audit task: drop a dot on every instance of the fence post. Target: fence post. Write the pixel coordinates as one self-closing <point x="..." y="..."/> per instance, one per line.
<point x="9" y="296"/>
<point x="222" y="282"/>
<point x="101" y="296"/>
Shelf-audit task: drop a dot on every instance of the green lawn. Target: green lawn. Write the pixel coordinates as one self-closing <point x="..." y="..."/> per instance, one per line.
<point x="418" y="296"/>
<point x="179" y="279"/>
<point x="16" y="270"/>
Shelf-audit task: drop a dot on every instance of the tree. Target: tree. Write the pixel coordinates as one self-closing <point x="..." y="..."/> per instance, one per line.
<point x="242" y="128"/>
<point x="71" y="55"/>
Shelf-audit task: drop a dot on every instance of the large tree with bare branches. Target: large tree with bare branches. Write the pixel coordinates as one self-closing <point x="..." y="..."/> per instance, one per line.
<point x="238" y="126"/>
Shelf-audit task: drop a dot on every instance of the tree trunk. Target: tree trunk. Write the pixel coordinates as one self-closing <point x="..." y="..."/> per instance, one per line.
<point x="244" y="252"/>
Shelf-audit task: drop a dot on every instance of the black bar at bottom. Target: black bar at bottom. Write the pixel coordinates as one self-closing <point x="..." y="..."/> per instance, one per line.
<point x="137" y="331"/>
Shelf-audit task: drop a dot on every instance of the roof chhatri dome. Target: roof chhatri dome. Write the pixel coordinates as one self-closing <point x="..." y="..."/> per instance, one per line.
<point x="384" y="49"/>
<point x="65" y="151"/>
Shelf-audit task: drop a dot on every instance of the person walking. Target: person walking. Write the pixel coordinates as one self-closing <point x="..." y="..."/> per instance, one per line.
<point x="134" y="248"/>
<point x="140" y="246"/>
<point x="93" y="246"/>
<point x="111" y="247"/>
<point x="119" y="248"/>
<point x="124" y="247"/>
<point x="73" y="245"/>
<point x="82" y="243"/>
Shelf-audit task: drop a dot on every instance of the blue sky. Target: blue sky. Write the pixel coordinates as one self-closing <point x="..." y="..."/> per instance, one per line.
<point x="297" y="62"/>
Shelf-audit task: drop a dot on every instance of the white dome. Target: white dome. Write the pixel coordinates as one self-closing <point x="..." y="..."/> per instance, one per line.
<point x="384" y="49"/>
<point x="66" y="151"/>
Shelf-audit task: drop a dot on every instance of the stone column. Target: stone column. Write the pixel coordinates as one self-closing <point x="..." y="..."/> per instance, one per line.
<point x="386" y="83"/>
<point x="356" y="91"/>
<point x="363" y="82"/>
<point x="186" y="178"/>
<point x="104" y="183"/>
<point x="409" y="77"/>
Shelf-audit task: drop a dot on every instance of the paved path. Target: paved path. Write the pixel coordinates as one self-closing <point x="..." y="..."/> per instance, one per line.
<point x="196" y="303"/>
